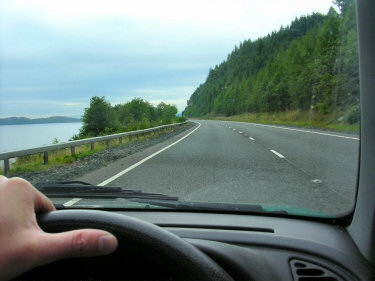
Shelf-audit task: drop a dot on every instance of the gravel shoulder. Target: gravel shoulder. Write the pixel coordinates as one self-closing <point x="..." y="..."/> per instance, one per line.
<point x="97" y="160"/>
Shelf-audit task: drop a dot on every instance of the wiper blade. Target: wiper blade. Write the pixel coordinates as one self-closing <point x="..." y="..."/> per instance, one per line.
<point x="209" y="206"/>
<point x="73" y="186"/>
<point x="87" y="190"/>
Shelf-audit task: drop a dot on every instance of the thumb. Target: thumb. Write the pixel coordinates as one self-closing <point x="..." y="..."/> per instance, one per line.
<point x="77" y="243"/>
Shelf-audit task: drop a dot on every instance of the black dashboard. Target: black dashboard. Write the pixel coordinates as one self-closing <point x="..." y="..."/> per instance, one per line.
<point x="247" y="247"/>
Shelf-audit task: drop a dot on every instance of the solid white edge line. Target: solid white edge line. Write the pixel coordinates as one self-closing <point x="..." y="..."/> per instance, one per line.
<point x="144" y="159"/>
<point x="72" y="202"/>
<point x="303" y="131"/>
<point x="278" y="154"/>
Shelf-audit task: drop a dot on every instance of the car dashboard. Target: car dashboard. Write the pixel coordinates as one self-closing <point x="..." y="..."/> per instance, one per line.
<point x="247" y="247"/>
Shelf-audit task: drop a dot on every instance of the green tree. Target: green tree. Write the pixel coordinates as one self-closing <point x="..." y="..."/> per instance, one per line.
<point x="166" y="113"/>
<point x="97" y="117"/>
<point x="101" y="118"/>
<point x="344" y="5"/>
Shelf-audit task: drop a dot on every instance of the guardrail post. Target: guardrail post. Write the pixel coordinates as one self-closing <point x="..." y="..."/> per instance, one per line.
<point x="6" y="166"/>
<point x="120" y="140"/>
<point x="137" y="136"/>
<point x="72" y="150"/>
<point x="130" y="138"/>
<point x="107" y="142"/>
<point x="92" y="145"/>
<point x="45" y="157"/>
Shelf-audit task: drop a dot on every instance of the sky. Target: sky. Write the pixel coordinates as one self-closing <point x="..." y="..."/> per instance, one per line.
<point x="56" y="55"/>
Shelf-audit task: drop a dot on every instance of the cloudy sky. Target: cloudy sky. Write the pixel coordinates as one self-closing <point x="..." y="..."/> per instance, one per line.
<point x="56" y="55"/>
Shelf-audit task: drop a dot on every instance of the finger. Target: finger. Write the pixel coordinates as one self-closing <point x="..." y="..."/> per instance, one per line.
<point x="41" y="202"/>
<point x="3" y="179"/>
<point x="77" y="243"/>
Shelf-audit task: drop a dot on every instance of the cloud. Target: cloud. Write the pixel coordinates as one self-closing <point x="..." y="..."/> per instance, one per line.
<point x="180" y="103"/>
<point x="72" y="104"/>
<point x="65" y="52"/>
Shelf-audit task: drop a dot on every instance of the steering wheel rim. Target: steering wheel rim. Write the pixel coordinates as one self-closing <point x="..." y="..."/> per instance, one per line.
<point x="142" y="237"/>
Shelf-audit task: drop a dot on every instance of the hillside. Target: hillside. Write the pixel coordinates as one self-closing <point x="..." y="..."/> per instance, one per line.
<point x="24" y="120"/>
<point x="310" y="65"/>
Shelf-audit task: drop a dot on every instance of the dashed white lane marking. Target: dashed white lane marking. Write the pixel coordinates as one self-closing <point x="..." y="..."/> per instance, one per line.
<point x="144" y="159"/>
<point x="251" y="138"/>
<point x="240" y="132"/>
<point x="234" y="129"/>
<point x="303" y="131"/>
<point x="317" y="181"/>
<point x="278" y="154"/>
<point x="72" y="202"/>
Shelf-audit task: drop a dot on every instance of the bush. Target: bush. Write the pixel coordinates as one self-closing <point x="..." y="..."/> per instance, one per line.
<point x="353" y="115"/>
<point x="181" y="119"/>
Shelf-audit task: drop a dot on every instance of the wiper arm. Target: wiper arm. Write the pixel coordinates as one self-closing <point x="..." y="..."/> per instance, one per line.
<point x="209" y="206"/>
<point x="63" y="187"/>
<point x="87" y="190"/>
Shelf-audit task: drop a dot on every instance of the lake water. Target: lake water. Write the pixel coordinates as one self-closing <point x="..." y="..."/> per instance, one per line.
<point x="17" y="137"/>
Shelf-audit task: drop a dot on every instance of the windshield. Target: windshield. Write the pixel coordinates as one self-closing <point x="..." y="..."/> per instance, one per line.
<point x="241" y="106"/>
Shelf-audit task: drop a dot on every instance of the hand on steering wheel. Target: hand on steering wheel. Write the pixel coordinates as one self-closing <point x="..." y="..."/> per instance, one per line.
<point x="24" y="245"/>
<point x="176" y="255"/>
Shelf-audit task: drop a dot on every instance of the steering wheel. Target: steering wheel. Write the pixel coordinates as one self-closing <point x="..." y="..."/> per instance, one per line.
<point x="136" y="235"/>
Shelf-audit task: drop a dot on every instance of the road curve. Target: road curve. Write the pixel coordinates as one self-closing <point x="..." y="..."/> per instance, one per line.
<point x="223" y="161"/>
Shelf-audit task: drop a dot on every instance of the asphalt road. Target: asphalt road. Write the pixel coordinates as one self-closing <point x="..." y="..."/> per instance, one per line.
<point x="220" y="161"/>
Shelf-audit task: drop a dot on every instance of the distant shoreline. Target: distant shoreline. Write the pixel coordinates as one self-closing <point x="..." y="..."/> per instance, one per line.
<point x="28" y="121"/>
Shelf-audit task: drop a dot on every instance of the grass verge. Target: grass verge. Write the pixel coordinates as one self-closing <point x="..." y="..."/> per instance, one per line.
<point x="295" y="118"/>
<point x="35" y="162"/>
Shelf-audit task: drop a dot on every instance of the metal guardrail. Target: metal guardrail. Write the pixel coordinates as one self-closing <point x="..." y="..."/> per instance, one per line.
<point x="72" y="144"/>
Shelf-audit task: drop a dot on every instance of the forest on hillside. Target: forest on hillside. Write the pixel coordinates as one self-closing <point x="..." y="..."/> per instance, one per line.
<point x="310" y="65"/>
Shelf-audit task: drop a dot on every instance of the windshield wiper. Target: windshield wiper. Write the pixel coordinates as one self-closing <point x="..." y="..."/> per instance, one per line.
<point x="209" y="206"/>
<point x="86" y="190"/>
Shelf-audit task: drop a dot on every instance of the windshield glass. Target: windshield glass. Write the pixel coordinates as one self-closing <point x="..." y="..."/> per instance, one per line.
<point x="218" y="105"/>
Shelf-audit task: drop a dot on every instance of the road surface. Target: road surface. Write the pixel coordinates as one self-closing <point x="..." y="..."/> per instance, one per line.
<point x="235" y="162"/>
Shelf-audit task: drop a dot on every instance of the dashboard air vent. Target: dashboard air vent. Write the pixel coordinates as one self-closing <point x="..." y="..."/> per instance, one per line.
<point x="307" y="271"/>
